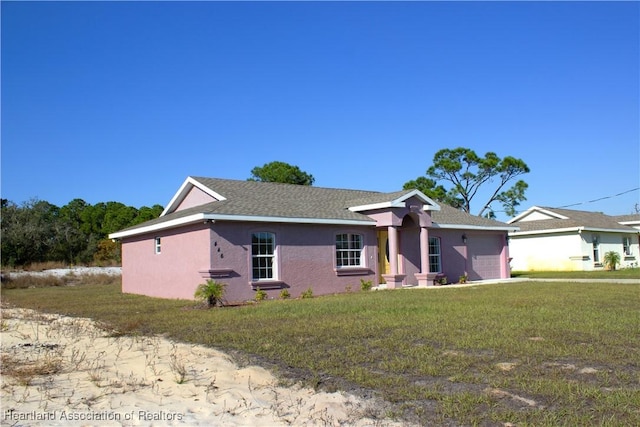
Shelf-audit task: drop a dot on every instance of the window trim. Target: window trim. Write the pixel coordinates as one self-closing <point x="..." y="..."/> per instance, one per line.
<point x="157" y="245"/>
<point x="437" y="256"/>
<point x="626" y="246"/>
<point x="273" y="256"/>
<point x="361" y="252"/>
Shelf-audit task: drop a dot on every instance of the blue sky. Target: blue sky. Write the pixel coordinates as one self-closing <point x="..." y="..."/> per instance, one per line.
<point x="123" y="100"/>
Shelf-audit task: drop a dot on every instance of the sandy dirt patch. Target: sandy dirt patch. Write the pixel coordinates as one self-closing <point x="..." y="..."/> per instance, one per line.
<point x="61" y="371"/>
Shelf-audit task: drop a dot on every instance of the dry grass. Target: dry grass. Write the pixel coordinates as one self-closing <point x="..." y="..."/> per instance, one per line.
<point x="24" y="372"/>
<point x="24" y="281"/>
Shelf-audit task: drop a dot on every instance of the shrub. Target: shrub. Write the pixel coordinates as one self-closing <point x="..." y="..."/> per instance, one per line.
<point x="260" y="295"/>
<point x="440" y="279"/>
<point x="611" y="259"/>
<point x="463" y="279"/>
<point x="365" y="285"/>
<point x="212" y="292"/>
<point x="284" y="294"/>
<point x="307" y="294"/>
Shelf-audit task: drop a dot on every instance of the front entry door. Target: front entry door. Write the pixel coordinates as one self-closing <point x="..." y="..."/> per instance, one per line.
<point x="383" y="255"/>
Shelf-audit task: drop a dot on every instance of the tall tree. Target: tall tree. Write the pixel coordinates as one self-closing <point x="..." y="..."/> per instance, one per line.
<point x="71" y="241"/>
<point x="281" y="172"/>
<point x="467" y="173"/>
<point x="28" y="232"/>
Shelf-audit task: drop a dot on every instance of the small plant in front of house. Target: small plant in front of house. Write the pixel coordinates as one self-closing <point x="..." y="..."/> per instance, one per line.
<point x="611" y="260"/>
<point x="260" y="295"/>
<point x="307" y="294"/>
<point x="463" y="279"/>
<point x="284" y="294"/>
<point x="212" y="292"/>
<point x="365" y="285"/>
<point x="440" y="279"/>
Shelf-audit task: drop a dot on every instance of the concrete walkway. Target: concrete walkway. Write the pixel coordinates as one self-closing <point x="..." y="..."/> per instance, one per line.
<point x="518" y="280"/>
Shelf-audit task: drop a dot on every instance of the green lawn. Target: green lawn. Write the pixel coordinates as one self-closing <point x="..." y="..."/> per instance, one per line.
<point x="538" y="354"/>
<point x="625" y="273"/>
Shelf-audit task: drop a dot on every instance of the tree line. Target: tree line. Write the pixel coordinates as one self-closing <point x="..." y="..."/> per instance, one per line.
<point x="76" y="233"/>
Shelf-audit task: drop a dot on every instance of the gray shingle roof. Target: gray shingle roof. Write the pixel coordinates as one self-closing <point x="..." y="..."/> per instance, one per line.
<point x="575" y="219"/>
<point x="451" y="216"/>
<point x="276" y="200"/>
<point x="272" y="199"/>
<point x="628" y="218"/>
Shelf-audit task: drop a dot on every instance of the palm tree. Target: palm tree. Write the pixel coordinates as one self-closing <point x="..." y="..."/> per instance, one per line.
<point x="611" y="259"/>
<point x="211" y="292"/>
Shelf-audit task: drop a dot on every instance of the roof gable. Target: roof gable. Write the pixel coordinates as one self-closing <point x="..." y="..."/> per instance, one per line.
<point x="392" y="200"/>
<point x="536" y="213"/>
<point x="547" y="220"/>
<point x="191" y="187"/>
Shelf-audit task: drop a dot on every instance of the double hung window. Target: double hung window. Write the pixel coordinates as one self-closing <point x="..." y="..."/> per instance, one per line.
<point x="263" y="255"/>
<point x="349" y="250"/>
<point x="435" y="265"/>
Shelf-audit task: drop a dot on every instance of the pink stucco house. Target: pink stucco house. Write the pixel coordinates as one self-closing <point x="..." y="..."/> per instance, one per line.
<point x="274" y="236"/>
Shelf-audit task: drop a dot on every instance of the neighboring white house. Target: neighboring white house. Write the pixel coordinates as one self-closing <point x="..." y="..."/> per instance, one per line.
<point x="552" y="239"/>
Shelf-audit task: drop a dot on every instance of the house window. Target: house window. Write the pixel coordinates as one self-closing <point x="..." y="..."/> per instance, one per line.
<point x="349" y="250"/>
<point x="626" y="246"/>
<point x="158" y="245"/>
<point x="596" y="249"/>
<point x="435" y="265"/>
<point x="263" y="255"/>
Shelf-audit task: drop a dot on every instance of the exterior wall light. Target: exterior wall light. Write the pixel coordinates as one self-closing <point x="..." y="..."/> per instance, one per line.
<point x="464" y="238"/>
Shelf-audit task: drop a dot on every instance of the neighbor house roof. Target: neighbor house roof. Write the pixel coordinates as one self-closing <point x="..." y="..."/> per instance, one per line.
<point x="236" y="200"/>
<point x="633" y="219"/>
<point x="537" y="220"/>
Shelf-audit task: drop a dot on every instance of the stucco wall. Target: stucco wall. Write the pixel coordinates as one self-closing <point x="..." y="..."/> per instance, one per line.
<point x="195" y="197"/>
<point x="173" y="273"/>
<point x="305" y="258"/>
<point x="569" y="251"/>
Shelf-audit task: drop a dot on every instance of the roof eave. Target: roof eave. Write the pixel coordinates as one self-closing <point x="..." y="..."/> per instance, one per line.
<point x="204" y="217"/>
<point x="178" y="222"/>
<point x="474" y="227"/>
<point x="578" y="229"/>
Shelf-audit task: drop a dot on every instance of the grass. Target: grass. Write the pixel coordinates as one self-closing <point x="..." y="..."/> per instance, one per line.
<point x="531" y="354"/>
<point x="625" y="273"/>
